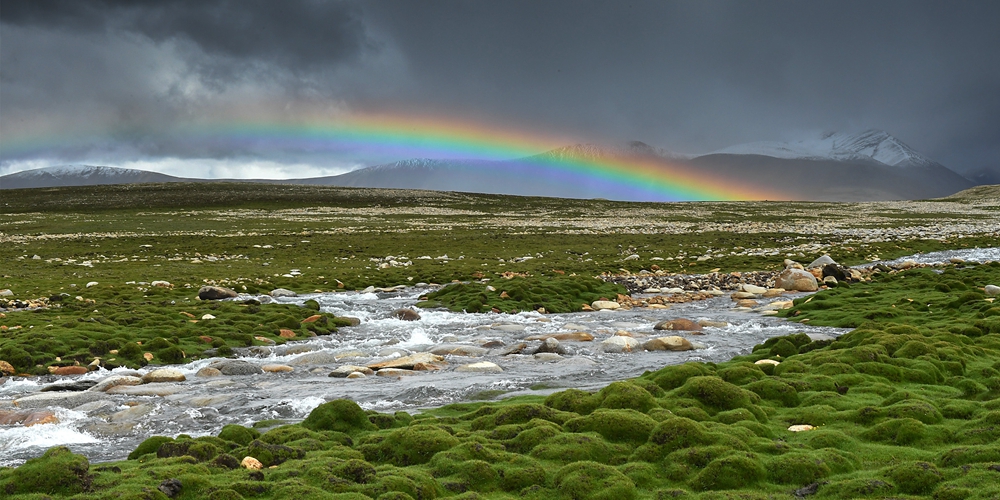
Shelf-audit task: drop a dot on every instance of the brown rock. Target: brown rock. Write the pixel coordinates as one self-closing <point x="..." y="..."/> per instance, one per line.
<point x="715" y="324"/>
<point x="394" y="372"/>
<point x="7" y="368"/>
<point x="406" y="314"/>
<point x="208" y="372"/>
<point x="746" y="303"/>
<point x="70" y="370"/>
<point x="163" y="375"/>
<point x="215" y="293"/>
<point x="188" y="314"/>
<point x="277" y="368"/>
<point x="680" y="324"/>
<point x="797" y="279"/>
<point x="148" y="356"/>
<point x="426" y="367"/>
<point x="408" y="362"/>
<point x="27" y="418"/>
<point x="313" y="318"/>
<point x="671" y="343"/>
<point x="251" y="463"/>
<point x="286" y="333"/>
<point x="773" y="292"/>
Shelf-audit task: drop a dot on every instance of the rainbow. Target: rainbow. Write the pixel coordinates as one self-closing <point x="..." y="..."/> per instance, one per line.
<point x="387" y="137"/>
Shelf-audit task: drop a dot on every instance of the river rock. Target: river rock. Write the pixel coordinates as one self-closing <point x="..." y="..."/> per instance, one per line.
<point x="620" y="344"/>
<point x="236" y="367"/>
<point x="344" y="371"/>
<point x="79" y="385"/>
<point x="548" y="356"/>
<point x="825" y="260"/>
<point x="836" y="271"/>
<point x="481" y="367"/>
<point x="283" y="292"/>
<point x="754" y="289"/>
<point x="70" y="370"/>
<point x="713" y="324"/>
<point x="742" y="296"/>
<point x="678" y="324"/>
<point x="459" y="350"/>
<point x="563" y="337"/>
<point x="208" y="372"/>
<point x="395" y="372"/>
<point x="796" y="279"/>
<point x="131" y="413"/>
<point x="315" y="358"/>
<point x="215" y="293"/>
<point x="601" y="305"/>
<point x="277" y="368"/>
<point x="773" y="292"/>
<point x="550" y="345"/>
<point x="356" y="375"/>
<point x="508" y="328"/>
<point x="671" y="343"/>
<point x="408" y="362"/>
<point x="514" y="349"/>
<point x="161" y="389"/>
<point x="28" y="418"/>
<point x="406" y="314"/>
<point x="115" y="380"/>
<point x="163" y="375"/>
<point x="992" y="290"/>
<point x="61" y="399"/>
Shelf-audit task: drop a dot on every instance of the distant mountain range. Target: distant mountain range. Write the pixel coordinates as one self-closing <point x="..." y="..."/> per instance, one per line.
<point x="871" y="165"/>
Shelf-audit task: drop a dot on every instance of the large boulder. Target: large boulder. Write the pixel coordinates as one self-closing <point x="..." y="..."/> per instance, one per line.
<point x="796" y="279"/>
<point x="215" y="293"/>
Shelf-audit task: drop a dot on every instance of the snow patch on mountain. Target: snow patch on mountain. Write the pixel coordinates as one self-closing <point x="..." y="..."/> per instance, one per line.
<point x="874" y="145"/>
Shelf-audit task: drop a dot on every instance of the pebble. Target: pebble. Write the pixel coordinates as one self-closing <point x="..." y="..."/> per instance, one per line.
<point x="347" y="370"/>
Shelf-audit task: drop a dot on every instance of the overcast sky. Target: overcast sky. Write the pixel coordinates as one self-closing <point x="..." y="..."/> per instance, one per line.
<point x="99" y="81"/>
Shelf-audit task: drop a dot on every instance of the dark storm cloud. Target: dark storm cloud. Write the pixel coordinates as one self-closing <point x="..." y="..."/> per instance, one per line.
<point x="688" y="76"/>
<point x="291" y="34"/>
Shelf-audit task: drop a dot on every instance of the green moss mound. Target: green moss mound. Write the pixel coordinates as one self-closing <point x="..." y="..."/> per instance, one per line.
<point x="558" y="294"/>
<point x="342" y="415"/>
<point x="58" y="472"/>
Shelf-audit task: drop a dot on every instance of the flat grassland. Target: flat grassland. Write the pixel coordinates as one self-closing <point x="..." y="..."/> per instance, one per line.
<point x="904" y="406"/>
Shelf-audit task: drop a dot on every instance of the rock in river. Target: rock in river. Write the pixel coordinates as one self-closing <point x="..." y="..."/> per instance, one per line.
<point x="406" y="314"/>
<point x="618" y="344"/>
<point x="236" y="367"/>
<point x="796" y="279"/>
<point x="481" y="367"/>
<point x="163" y="375"/>
<point x="671" y="343"/>
<point x="678" y="324"/>
<point x="408" y="362"/>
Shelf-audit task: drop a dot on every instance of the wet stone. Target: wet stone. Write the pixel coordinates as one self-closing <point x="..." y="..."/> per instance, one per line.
<point x="347" y="370"/>
<point x="236" y="367"/>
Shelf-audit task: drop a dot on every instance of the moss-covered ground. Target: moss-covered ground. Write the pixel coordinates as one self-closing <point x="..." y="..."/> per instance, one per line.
<point x="899" y="408"/>
<point x="904" y="406"/>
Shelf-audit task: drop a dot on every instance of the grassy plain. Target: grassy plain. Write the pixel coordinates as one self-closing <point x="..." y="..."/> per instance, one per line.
<point x="905" y="406"/>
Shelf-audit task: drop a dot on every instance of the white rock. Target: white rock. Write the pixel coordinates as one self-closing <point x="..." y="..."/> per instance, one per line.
<point x="6" y="292"/>
<point x="91" y="283"/>
<point x="354" y="375"/>
<point x="207" y="316"/>
<point x="801" y="428"/>
<point x="481" y="367"/>
<point x="766" y="362"/>
<point x="992" y="290"/>
<point x="599" y="305"/>
<point x="820" y="262"/>
<point x="163" y="375"/>
<point x="754" y="289"/>
<point x="619" y="344"/>
<point x="115" y="380"/>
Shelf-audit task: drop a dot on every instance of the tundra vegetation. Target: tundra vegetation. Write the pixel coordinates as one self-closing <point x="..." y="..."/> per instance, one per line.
<point x="906" y="405"/>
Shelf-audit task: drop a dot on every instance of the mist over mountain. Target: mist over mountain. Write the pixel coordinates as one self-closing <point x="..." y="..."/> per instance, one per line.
<point x="871" y="165"/>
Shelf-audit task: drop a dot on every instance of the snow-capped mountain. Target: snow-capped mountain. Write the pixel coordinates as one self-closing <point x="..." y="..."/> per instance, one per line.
<point x="81" y="175"/>
<point x="876" y="145"/>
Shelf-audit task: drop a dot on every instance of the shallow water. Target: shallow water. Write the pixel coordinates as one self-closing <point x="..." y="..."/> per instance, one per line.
<point x="114" y="424"/>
